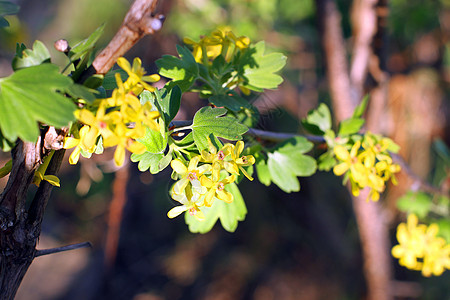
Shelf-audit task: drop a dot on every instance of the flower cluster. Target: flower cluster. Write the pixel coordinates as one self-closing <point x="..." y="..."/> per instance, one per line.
<point x="420" y="249"/>
<point x="367" y="164"/>
<point x="118" y="120"/>
<point x="200" y="185"/>
<point x="220" y="42"/>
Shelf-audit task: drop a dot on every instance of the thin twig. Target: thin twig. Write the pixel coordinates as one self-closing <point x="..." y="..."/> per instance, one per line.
<point x="62" y="249"/>
<point x="418" y="183"/>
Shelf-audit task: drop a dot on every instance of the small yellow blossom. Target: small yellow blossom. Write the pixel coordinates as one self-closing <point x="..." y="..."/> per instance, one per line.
<point x="136" y="76"/>
<point x="220" y="42"/>
<point x="367" y="164"/>
<point x="120" y="119"/>
<point x="71" y="142"/>
<point x="190" y="201"/>
<point x="190" y="174"/>
<point x="238" y="162"/>
<point x="216" y="187"/>
<point x="420" y="249"/>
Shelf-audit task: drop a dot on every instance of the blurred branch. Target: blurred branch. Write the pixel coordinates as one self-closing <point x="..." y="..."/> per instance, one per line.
<point x="62" y="249"/>
<point x="335" y="56"/>
<point x="115" y="213"/>
<point x="372" y="225"/>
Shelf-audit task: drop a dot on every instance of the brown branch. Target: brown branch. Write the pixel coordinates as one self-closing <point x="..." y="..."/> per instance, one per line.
<point x="364" y="29"/>
<point x="138" y="22"/>
<point x="42" y="252"/>
<point x="372" y="225"/>
<point x="115" y="213"/>
<point x="337" y="67"/>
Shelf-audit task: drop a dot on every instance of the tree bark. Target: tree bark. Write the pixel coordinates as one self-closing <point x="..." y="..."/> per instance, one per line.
<point x="346" y="89"/>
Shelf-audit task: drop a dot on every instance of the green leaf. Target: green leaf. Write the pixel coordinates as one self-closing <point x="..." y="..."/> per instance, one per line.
<point x="30" y="96"/>
<point x="154" y="141"/>
<point x="444" y="229"/>
<point x="86" y="45"/>
<point x="109" y="81"/>
<point x="361" y="108"/>
<point x="318" y="120"/>
<point x="80" y="91"/>
<point x="233" y="102"/>
<point x="418" y="203"/>
<point x="5" y="145"/>
<point x="147" y="161"/>
<point x="167" y="101"/>
<point x="183" y="71"/>
<point x="263" y="172"/>
<point x="326" y="161"/>
<point x="211" y="121"/>
<point x="27" y="57"/>
<point x="350" y="126"/>
<point x="229" y="214"/>
<point x="287" y="162"/>
<point x="258" y="69"/>
<point x="7" y="8"/>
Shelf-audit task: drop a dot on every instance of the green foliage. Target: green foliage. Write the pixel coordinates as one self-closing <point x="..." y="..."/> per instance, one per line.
<point x="232" y="101"/>
<point x="209" y="121"/>
<point x="86" y="45"/>
<point x="444" y="229"/>
<point x="154" y="141"/>
<point x="183" y="71"/>
<point x="25" y="58"/>
<point x="27" y="97"/>
<point x="287" y="161"/>
<point x="350" y="126"/>
<point x="418" y="203"/>
<point x="258" y="68"/>
<point x="156" y="162"/>
<point x="228" y="213"/>
<point x="361" y="108"/>
<point x="167" y="101"/>
<point x="7" y="8"/>
<point x="318" y="120"/>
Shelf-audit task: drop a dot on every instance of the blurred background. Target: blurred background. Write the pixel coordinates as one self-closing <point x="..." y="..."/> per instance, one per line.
<point x="291" y="246"/>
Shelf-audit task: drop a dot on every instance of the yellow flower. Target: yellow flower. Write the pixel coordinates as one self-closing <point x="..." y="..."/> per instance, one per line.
<point x="190" y="174"/>
<point x="237" y="163"/>
<point x="136" y="80"/>
<point x="190" y="201"/>
<point x="420" y="249"/>
<point x="214" y="156"/>
<point x="98" y="124"/>
<point x="351" y="162"/>
<point x="216" y="187"/>
<point x="70" y="142"/>
<point x="220" y="42"/>
<point x="123" y="139"/>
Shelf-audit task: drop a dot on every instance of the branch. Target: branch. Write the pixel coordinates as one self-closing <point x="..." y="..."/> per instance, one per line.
<point x="62" y="249"/>
<point x="138" y="22"/>
<point x="372" y="225"/>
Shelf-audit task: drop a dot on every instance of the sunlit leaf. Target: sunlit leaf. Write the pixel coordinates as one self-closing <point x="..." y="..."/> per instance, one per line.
<point x="229" y="214"/>
<point x="211" y="121"/>
<point x="183" y="71"/>
<point x="259" y="68"/>
<point x="30" y="96"/>
<point x="31" y="57"/>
